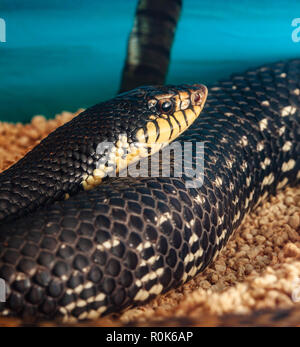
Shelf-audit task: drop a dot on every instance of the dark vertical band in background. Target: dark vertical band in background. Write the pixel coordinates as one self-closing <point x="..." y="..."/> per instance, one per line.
<point x="150" y="43"/>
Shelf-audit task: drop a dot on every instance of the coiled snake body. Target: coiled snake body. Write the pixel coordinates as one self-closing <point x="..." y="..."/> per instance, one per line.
<point x="132" y="238"/>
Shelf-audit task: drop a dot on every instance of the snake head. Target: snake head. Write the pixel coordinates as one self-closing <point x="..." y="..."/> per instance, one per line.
<point x="143" y="121"/>
<point x="168" y="112"/>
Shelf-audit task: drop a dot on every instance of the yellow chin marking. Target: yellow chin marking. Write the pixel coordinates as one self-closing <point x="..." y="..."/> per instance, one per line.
<point x="198" y="109"/>
<point x="181" y="120"/>
<point x="140" y="135"/>
<point x="175" y="128"/>
<point x="151" y="132"/>
<point x="164" y="130"/>
<point x="190" y="116"/>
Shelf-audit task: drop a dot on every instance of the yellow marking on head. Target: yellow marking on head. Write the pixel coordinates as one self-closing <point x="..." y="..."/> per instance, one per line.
<point x="176" y="129"/>
<point x="164" y="130"/>
<point x="184" y="95"/>
<point x="180" y="118"/>
<point x="152" y="133"/>
<point x="185" y="104"/>
<point x="177" y="101"/>
<point x="198" y="109"/>
<point x="182" y="101"/>
<point x="140" y="135"/>
<point x="190" y="116"/>
<point x="152" y="117"/>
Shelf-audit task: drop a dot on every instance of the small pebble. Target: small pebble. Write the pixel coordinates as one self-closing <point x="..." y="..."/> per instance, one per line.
<point x="294" y="221"/>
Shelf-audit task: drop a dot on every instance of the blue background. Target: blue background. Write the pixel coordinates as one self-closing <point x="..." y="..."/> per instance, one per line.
<point x="63" y="55"/>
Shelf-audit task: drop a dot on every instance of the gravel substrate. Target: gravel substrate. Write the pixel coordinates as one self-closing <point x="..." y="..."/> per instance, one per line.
<point x="259" y="268"/>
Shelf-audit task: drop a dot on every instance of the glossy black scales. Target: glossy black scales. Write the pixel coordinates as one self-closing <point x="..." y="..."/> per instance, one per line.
<point x="131" y="239"/>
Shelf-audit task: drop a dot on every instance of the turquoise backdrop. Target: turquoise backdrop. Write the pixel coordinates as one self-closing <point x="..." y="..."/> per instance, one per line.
<point x="62" y="55"/>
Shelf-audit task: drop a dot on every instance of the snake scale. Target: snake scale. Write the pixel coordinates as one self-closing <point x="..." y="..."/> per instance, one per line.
<point x="132" y="238"/>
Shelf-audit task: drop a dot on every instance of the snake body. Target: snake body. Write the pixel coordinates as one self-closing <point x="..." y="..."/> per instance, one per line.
<point x="132" y="238"/>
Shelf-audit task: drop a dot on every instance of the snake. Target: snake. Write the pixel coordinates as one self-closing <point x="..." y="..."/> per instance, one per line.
<point x="79" y="239"/>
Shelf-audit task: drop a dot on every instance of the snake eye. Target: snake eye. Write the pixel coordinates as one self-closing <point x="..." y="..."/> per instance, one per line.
<point x="166" y="106"/>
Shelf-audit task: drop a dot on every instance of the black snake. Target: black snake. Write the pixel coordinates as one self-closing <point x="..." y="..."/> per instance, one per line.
<point x="132" y="238"/>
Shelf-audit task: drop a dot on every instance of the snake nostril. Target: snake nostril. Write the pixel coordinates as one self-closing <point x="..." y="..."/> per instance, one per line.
<point x="197" y="97"/>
